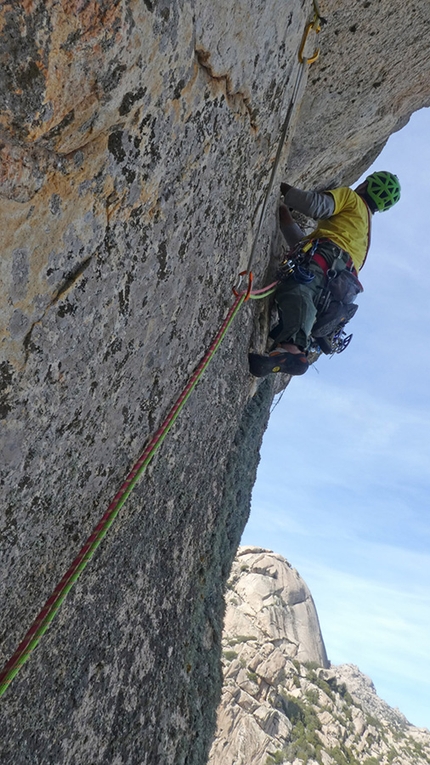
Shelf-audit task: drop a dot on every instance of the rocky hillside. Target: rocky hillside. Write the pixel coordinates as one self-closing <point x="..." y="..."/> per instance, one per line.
<point x="282" y="701"/>
<point x="136" y="141"/>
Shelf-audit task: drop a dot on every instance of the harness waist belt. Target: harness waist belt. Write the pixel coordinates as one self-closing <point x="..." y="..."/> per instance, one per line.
<point x="320" y="261"/>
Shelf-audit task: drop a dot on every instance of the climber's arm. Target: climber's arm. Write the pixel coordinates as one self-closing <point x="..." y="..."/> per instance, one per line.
<point x="315" y="204"/>
<point x="290" y="229"/>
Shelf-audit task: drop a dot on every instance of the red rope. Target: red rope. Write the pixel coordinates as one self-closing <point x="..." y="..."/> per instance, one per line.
<point x="42" y="621"/>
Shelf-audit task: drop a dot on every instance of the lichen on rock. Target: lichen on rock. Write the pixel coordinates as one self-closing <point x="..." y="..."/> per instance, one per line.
<point x="136" y="139"/>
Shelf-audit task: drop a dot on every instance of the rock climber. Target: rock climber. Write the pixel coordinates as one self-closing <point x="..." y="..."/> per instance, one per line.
<point x="342" y="235"/>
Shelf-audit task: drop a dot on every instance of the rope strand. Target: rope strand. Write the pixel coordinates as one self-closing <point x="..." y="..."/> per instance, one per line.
<point x="47" y="614"/>
<point x="315" y="24"/>
<point x="52" y="605"/>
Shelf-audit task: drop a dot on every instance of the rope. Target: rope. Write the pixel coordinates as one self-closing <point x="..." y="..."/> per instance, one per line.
<point x="265" y="292"/>
<point x="316" y="26"/>
<point x="278" y="400"/>
<point x="52" y="605"/>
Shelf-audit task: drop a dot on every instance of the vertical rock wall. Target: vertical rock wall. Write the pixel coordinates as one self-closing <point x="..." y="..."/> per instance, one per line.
<point x="134" y="149"/>
<point x="135" y="142"/>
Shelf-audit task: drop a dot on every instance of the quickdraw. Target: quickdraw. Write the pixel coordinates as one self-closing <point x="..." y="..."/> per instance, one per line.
<point x="236" y="293"/>
<point x="314" y="25"/>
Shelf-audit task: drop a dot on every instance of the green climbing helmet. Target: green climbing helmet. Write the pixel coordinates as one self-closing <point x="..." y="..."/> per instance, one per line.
<point x="384" y="189"/>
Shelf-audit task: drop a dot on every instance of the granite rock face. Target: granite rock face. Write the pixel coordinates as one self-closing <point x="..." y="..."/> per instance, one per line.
<point x="381" y="78"/>
<point x="268" y="601"/>
<point x="282" y="701"/>
<point x="135" y="142"/>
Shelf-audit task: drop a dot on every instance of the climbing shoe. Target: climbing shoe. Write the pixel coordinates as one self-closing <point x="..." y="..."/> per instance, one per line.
<point x="288" y="363"/>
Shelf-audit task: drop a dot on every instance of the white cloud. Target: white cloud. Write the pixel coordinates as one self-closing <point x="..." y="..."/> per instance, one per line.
<point x="381" y="628"/>
<point x="327" y="433"/>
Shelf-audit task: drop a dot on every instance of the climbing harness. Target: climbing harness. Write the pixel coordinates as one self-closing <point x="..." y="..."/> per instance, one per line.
<point x="52" y="605"/>
<point x="334" y="301"/>
<point x="296" y="265"/>
<point x="336" y="307"/>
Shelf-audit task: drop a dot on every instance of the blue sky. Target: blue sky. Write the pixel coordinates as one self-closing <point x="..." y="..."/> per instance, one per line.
<point x="343" y="488"/>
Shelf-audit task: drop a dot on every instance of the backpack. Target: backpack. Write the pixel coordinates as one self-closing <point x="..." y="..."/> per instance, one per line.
<point x="336" y="308"/>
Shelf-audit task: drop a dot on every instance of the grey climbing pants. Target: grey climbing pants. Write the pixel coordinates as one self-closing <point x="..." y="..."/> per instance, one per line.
<point x="297" y="303"/>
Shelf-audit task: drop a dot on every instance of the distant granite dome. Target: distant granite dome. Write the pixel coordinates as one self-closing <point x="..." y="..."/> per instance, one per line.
<point x="269" y="602"/>
<point x="282" y="701"/>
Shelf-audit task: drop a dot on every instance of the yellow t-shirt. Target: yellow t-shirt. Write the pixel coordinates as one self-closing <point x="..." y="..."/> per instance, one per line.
<point x="349" y="226"/>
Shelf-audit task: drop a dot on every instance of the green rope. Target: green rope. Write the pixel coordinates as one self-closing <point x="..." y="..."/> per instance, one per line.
<point x="52" y="605"/>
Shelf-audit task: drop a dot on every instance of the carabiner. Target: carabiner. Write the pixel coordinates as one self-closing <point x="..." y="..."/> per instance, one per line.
<point x="248" y="291"/>
<point x="236" y="293"/>
<point x="249" y="287"/>
<point x="315" y="25"/>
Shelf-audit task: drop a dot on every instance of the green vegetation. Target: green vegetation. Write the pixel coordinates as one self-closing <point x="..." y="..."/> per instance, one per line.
<point x="252" y="676"/>
<point x="276" y="758"/>
<point x="315" y="679"/>
<point x="230" y="655"/>
<point x="347" y="710"/>
<point x="281" y="675"/>
<point x="373" y="721"/>
<point x="241" y="639"/>
<point x="312" y="695"/>
<point x="343" y="756"/>
<point x="329" y="686"/>
<point x="311" y="665"/>
<point x="343" y="691"/>
<point x="305" y="743"/>
<point x="418" y="750"/>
